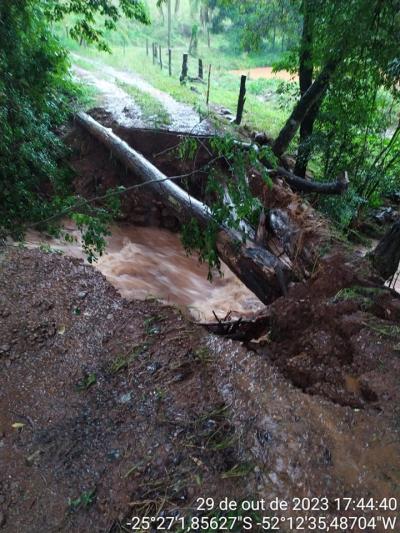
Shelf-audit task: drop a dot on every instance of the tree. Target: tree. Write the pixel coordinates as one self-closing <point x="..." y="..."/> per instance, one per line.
<point x="85" y="26"/>
<point x="306" y="71"/>
<point x="348" y="34"/>
<point x="36" y="95"/>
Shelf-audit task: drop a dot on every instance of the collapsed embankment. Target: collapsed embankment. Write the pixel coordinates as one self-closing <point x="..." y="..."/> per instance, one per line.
<point x="110" y="408"/>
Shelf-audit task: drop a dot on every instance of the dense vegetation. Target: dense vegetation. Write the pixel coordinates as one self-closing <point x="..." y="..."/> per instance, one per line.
<point x="36" y="97"/>
<point x="346" y="54"/>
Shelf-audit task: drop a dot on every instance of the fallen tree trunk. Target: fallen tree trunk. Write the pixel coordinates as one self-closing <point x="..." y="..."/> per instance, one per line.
<point x="302" y="185"/>
<point x="299" y="184"/>
<point x="386" y="255"/>
<point x="263" y="273"/>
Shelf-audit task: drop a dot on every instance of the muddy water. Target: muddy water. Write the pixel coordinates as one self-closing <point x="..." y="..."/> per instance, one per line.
<point x="266" y="73"/>
<point x="151" y="262"/>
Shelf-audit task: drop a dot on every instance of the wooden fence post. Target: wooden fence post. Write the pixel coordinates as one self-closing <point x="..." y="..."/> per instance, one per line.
<point x="200" y="69"/>
<point x="184" y="72"/>
<point x="242" y="99"/>
<point x="159" y="49"/>
<point x="208" y="84"/>
<point x="170" y="61"/>
<point x="147" y="46"/>
<point x="154" y="52"/>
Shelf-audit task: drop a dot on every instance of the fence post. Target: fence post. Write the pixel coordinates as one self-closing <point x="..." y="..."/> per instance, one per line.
<point x="170" y="61"/>
<point x="200" y="69"/>
<point x="184" y="72"/>
<point x="241" y="100"/>
<point x="208" y="84"/>
<point x="147" y="46"/>
<point x="154" y="52"/>
<point x="159" y="50"/>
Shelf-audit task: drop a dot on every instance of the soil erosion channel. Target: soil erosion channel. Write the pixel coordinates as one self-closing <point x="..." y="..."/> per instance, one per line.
<point x="111" y="408"/>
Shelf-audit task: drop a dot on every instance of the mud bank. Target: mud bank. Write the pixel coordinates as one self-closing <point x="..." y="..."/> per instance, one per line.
<point x="111" y="408"/>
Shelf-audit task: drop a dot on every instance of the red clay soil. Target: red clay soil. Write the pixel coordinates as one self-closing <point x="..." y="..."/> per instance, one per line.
<point x="265" y="73"/>
<point x="324" y="335"/>
<point x="113" y="401"/>
<point x="111" y="408"/>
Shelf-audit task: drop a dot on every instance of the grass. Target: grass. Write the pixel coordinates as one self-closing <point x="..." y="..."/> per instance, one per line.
<point x="262" y="109"/>
<point x="123" y="361"/>
<point x="386" y="330"/>
<point x="86" y="499"/>
<point x="153" y="111"/>
<point x="86" y="382"/>
<point x="151" y="325"/>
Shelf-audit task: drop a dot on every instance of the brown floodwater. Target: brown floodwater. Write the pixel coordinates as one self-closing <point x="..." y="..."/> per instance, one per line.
<point x="146" y="262"/>
<point x="266" y="73"/>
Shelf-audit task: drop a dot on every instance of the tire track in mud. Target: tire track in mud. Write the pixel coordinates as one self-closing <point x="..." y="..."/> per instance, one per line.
<point x="183" y="117"/>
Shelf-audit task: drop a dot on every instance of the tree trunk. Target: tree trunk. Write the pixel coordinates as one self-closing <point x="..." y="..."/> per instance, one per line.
<point x="161" y="11"/>
<point x="184" y="72"/>
<point x="386" y="255"/>
<point x="297" y="183"/>
<point x="306" y="70"/>
<point x="311" y="97"/>
<point x="169" y="23"/>
<point x="304" y="150"/>
<point x="302" y="185"/>
<point x="262" y="272"/>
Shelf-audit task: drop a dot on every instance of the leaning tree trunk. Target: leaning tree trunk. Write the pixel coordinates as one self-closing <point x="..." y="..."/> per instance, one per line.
<point x="261" y="271"/>
<point x="386" y="256"/>
<point x="311" y="98"/>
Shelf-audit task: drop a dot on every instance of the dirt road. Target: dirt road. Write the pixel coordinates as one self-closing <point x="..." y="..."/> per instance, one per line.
<point x="183" y="118"/>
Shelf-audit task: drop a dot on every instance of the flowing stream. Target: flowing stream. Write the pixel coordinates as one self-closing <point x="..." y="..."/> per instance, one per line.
<point x="145" y="262"/>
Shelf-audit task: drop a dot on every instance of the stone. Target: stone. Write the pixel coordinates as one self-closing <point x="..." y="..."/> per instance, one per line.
<point x="125" y="398"/>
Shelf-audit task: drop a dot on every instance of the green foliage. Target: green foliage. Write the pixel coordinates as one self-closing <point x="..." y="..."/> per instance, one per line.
<point x="36" y="98"/>
<point x="86" y="499"/>
<point x="34" y="88"/>
<point x="356" y="124"/>
<point x="256" y="26"/>
<point x="202" y="241"/>
<point x="187" y="148"/>
<point x="86" y="382"/>
<point x="232" y="203"/>
<point x="84" y="24"/>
